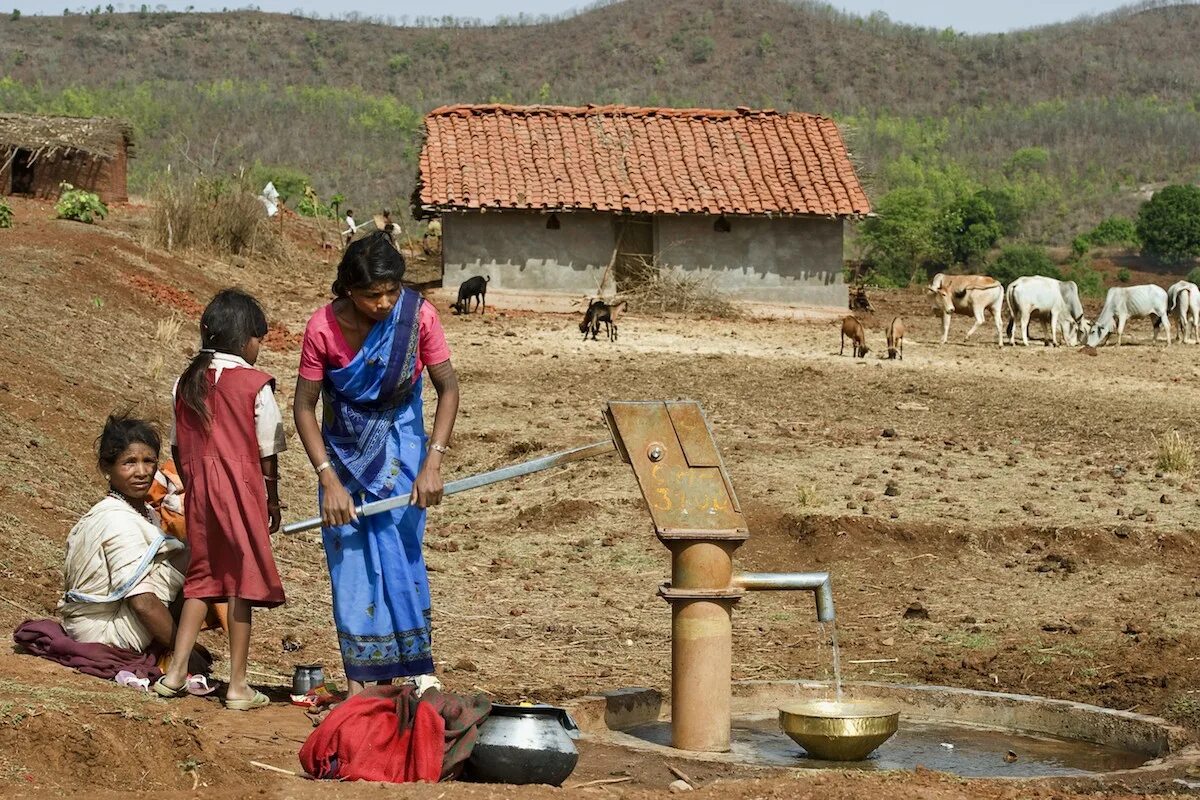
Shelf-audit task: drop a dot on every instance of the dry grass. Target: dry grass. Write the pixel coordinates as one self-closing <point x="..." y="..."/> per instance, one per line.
<point x="219" y="216"/>
<point x="1175" y="453"/>
<point x="809" y="496"/>
<point x="653" y="288"/>
<point x="166" y="333"/>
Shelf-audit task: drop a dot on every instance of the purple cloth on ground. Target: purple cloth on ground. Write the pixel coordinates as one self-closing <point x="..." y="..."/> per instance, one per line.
<point x="46" y="638"/>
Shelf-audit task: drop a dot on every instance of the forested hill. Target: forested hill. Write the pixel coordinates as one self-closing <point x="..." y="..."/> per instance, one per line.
<point x="342" y="101"/>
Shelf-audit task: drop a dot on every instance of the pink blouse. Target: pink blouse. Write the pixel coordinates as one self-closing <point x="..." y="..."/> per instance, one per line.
<point x="325" y="347"/>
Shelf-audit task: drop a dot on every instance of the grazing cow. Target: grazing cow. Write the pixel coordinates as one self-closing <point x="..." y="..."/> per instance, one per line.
<point x="854" y="329"/>
<point x="1053" y="301"/>
<point x="600" y="311"/>
<point x="970" y="295"/>
<point x="472" y="288"/>
<point x="1125" y="302"/>
<point x="895" y="338"/>
<point x="1183" y="305"/>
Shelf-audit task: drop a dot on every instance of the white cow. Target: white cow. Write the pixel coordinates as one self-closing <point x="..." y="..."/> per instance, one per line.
<point x="1125" y="302"/>
<point x="969" y="295"/>
<point x="1049" y="299"/>
<point x="1183" y="305"/>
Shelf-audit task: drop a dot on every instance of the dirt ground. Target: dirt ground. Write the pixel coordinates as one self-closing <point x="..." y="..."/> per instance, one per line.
<point x="992" y="518"/>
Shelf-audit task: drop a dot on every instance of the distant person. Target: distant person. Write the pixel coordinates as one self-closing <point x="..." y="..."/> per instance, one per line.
<point x="350" y="227"/>
<point x="366" y="352"/>
<point x="226" y="438"/>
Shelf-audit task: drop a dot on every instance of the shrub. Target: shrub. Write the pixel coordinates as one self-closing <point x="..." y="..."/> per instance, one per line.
<point x="1017" y="260"/>
<point x="1080" y="246"/>
<point x="1169" y="223"/>
<point x="1123" y="275"/>
<point x="1114" y="230"/>
<point x="702" y="49"/>
<point x="219" y="216"/>
<point x="288" y="182"/>
<point x="1089" y="281"/>
<point x="79" y="205"/>
<point x="1194" y="276"/>
<point x="311" y="206"/>
<point x="1174" y="453"/>
<point x="6" y="215"/>
<point x="1028" y="159"/>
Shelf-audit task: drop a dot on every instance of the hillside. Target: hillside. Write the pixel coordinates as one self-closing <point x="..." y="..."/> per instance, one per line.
<point x="342" y="101"/>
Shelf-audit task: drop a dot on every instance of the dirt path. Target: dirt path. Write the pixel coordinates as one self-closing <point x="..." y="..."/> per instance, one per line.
<point x="1026" y="514"/>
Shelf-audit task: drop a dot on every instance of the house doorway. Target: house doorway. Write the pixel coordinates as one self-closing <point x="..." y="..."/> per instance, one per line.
<point x="634" y="248"/>
<point x="22" y="172"/>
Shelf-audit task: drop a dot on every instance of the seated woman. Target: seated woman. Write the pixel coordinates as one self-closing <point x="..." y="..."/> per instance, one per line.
<point x="122" y="571"/>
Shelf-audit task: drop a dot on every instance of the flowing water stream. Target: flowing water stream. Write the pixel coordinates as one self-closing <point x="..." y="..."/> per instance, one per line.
<point x="837" y="657"/>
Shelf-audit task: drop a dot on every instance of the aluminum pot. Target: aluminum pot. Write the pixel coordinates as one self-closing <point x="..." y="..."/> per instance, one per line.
<point x="524" y="744"/>
<point x="306" y="677"/>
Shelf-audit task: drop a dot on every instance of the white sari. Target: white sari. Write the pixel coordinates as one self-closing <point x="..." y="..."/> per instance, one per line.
<point x="113" y="553"/>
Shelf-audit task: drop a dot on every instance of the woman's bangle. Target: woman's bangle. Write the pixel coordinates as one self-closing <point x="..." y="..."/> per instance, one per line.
<point x="441" y="448"/>
<point x="324" y="465"/>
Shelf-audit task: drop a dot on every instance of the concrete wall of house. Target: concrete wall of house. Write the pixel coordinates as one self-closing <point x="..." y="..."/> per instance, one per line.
<point x="519" y="252"/>
<point x="792" y="260"/>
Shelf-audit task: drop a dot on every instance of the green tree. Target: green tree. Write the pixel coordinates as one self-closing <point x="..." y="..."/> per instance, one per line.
<point x="1028" y="159"/>
<point x="16" y="14"/>
<point x="702" y="49"/>
<point x="1016" y="260"/>
<point x="898" y="240"/>
<point x="1008" y="209"/>
<point x="1169" y="223"/>
<point x="766" y="46"/>
<point x="967" y="230"/>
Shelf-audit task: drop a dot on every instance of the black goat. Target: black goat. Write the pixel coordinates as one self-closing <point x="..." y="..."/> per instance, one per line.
<point x="600" y="311"/>
<point x="472" y="288"/>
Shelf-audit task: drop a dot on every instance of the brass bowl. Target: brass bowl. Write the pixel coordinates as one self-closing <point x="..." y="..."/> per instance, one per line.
<point x="838" y="731"/>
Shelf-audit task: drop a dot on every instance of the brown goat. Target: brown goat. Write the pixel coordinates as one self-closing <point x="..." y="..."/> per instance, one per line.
<point x="852" y="327"/>
<point x="895" y="338"/>
<point x="599" y="311"/>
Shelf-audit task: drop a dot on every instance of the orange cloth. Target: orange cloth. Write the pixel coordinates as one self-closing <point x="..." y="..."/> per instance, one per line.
<point x="166" y="497"/>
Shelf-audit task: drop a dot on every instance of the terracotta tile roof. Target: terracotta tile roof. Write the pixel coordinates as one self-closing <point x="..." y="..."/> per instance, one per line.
<point x="648" y="160"/>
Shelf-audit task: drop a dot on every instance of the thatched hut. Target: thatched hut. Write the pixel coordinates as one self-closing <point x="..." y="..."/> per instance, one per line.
<point x="37" y="153"/>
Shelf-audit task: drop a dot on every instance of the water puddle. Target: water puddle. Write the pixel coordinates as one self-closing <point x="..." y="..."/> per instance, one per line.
<point x="976" y="752"/>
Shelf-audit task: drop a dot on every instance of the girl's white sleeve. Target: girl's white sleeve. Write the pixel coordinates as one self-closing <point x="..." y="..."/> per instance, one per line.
<point x="268" y="424"/>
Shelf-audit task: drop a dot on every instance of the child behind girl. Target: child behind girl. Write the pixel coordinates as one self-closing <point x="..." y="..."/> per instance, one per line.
<point x="226" y="434"/>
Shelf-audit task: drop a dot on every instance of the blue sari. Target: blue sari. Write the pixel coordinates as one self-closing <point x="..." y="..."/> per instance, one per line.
<point x="375" y="437"/>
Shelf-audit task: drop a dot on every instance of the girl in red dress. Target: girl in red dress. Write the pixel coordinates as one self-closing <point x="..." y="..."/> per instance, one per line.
<point x="226" y="435"/>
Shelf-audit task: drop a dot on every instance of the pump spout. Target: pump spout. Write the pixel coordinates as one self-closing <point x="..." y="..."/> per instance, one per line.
<point x="816" y="582"/>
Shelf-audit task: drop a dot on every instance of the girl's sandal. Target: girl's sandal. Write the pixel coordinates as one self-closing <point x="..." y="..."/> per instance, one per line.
<point x="162" y="690"/>
<point x="259" y="700"/>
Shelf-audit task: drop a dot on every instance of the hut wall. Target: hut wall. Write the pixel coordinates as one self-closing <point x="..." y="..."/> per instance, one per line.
<point x="789" y="260"/>
<point x="105" y="177"/>
<point x="518" y="251"/>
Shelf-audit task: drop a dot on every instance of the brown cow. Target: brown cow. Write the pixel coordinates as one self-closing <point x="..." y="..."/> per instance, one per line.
<point x="858" y="336"/>
<point x="895" y="338"/>
<point x="969" y="295"/>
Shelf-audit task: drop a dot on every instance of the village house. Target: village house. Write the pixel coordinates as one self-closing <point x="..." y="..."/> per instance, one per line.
<point x="38" y="153"/>
<point x="578" y="200"/>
